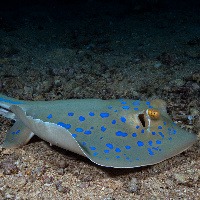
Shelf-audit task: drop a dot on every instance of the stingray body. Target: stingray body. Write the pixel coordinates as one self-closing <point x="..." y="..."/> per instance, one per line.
<point x="114" y="133"/>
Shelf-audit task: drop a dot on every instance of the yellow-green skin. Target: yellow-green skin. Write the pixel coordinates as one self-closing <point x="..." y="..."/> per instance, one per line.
<point x="113" y="133"/>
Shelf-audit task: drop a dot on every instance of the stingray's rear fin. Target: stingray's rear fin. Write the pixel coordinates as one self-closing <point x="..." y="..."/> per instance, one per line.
<point x="17" y="136"/>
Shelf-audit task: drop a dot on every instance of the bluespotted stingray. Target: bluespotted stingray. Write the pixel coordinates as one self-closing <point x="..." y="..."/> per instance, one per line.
<point x="113" y="133"/>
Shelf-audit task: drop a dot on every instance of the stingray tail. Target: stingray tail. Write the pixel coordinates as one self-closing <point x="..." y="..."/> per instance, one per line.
<point x="19" y="134"/>
<point x="6" y="103"/>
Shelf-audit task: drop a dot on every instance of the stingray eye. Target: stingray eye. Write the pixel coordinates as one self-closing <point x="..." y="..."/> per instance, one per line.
<point x="154" y="114"/>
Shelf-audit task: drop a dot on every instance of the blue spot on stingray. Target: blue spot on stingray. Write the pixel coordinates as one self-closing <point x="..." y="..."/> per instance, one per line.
<point x="160" y="127"/>
<point x="134" y="135"/>
<point x="123" y="102"/>
<point x="150" y="143"/>
<point x="174" y="123"/>
<point x="92" y="148"/>
<point x="136" y="109"/>
<point x="115" y="111"/>
<point x="161" y="134"/>
<point x="84" y="143"/>
<point x="107" y="158"/>
<point x="91" y="114"/>
<point x="127" y="147"/>
<point x="106" y="151"/>
<point x="123" y="119"/>
<point x="119" y="133"/>
<point x="127" y="158"/>
<point x="17" y="131"/>
<point x="117" y="156"/>
<point x="155" y="148"/>
<point x="136" y="104"/>
<point x="101" y="138"/>
<point x="82" y="118"/>
<point x="140" y="144"/>
<point x="125" y="107"/>
<point x="142" y="131"/>
<point x="150" y="151"/>
<point x="92" y="128"/>
<point x="95" y="154"/>
<point x="87" y="132"/>
<point x="109" y="107"/>
<point x="158" y="142"/>
<point x="154" y="133"/>
<point x="164" y="123"/>
<point x="137" y="126"/>
<point x="170" y="131"/>
<point x="103" y="128"/>
<point x="79" y="130"/>
<point x="61" y="124"/>
<point x="109" y="146"/>
<point x="118" y="150"/>
<point x="148" y="103"/>
<point x="174" y="131"/>
<point x="170" y="138"/>
<point x="74" y="135"/>
<point x="150" y="107"/>
<point x="68" y="126"/>
<point x="13" y="133"/>
<point x="137" y="159"/>
<point x="70" y="114"/>
<point x="49" y="116"/>
<point x="114" y="121"/>
<point x="104" y="115"/>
